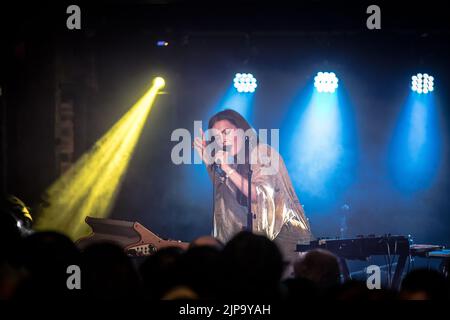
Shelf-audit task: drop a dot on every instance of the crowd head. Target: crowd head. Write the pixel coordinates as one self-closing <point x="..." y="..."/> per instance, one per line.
<point x="249" y="267"/>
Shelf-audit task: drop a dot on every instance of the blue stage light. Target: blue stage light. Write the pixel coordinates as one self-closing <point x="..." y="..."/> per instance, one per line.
<point x="326" y="82"/>
<point x="162" y="43"/>
<point x="245" y="82"/>
<point x="422" y="83"/>
<point x="417" y="143"/>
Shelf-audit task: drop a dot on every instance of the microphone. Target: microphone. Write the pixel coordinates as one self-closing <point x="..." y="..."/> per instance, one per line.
<point x="218" y="168"/>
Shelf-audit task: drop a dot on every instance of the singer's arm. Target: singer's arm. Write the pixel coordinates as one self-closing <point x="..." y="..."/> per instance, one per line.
<point x="239" y="181"/>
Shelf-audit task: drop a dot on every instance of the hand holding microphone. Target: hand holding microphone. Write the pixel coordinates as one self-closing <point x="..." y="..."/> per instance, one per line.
<point x="221" y="157"/>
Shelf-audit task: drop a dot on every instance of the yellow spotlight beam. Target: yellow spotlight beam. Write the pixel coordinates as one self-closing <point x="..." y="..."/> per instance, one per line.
<point x="90" y="186"/>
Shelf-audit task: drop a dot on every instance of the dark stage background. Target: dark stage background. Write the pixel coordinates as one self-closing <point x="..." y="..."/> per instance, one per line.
<point x="108" y="64"/>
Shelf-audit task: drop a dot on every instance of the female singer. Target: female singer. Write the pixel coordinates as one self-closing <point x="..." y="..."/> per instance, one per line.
<point x="277" y="212"/>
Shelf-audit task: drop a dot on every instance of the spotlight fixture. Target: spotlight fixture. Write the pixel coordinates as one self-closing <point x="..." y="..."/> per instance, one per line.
<point x="245" y="82"/>
<point x="422" y="83"/>
<point x="326" y="82"/>
<point x="162" y="43"/>
<point x="159" y="82"/>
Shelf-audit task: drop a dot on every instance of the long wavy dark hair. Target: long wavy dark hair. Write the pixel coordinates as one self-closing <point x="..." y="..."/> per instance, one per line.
<point x="239" y="122"/>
